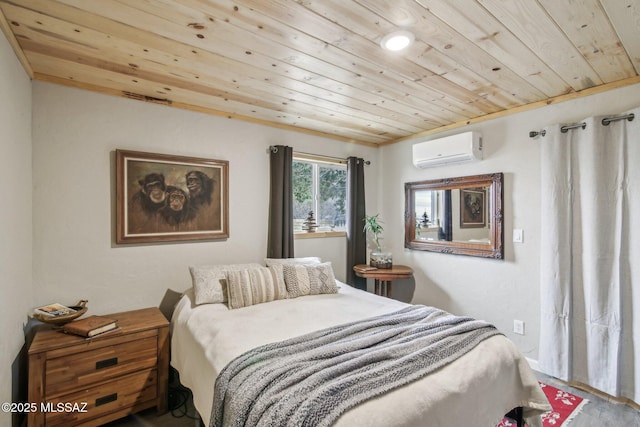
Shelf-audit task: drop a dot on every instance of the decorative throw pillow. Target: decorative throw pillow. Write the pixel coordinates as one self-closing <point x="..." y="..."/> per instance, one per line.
<point x="305" y="260"/>
<point x="310" y="279"/>
<point x="255" y="286"/>
<point x="210" y="281"/>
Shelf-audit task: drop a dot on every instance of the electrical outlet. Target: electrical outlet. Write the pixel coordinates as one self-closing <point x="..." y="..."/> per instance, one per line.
<point x="518" y="327"/>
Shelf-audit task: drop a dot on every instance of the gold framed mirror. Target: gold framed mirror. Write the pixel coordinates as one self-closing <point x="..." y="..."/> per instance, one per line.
<point x="461" y="215"/>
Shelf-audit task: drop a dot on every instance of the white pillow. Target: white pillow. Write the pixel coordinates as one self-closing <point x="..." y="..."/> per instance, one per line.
<point x="309" y="279"/>
<point x="306" y="260"/>
<point x="210" y="281"/>
<point x="255" y="286"/>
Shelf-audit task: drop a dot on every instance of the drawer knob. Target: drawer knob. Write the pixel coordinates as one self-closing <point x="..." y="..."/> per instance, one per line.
<point x="106" y="399"/>
<point x="106" y="363"/>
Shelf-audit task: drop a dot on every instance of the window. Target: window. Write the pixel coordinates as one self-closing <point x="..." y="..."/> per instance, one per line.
<point x="319" y="187"/>
<point x="425" y="202"/>
<point x="427" y="214"/>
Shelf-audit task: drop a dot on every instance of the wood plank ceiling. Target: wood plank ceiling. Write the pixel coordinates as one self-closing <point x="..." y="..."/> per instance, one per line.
<point x="317" y="65"/>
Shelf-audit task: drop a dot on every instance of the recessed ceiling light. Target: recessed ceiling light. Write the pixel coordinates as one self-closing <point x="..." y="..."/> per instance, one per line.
<point x="397" y="40"/>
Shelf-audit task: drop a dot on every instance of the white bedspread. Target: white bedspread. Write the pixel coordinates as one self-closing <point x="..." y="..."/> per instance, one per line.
<point x="475" y="390"/>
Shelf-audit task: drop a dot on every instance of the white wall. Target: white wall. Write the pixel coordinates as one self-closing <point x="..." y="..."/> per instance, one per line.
<point x="15" y="217"/>
<point x="327" y="248"/>
<point x="75" y="134"/>
<point x="496" y="290"/>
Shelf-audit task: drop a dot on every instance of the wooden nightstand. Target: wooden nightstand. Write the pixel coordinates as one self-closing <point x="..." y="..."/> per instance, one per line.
<point x="108" y="376"/>
<point x="383" y="276"/>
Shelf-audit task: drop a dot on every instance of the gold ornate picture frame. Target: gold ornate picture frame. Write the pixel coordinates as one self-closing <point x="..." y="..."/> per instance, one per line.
<point x="163" y="198"/>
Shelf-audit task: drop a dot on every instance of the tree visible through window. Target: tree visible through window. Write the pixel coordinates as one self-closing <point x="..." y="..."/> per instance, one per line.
<point x="322" y="188"/>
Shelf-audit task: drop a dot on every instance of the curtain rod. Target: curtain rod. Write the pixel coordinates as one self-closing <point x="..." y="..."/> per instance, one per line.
<point x="564" y="129"/>
<point x="607" y="120"/>
<point x="273" y="149"/>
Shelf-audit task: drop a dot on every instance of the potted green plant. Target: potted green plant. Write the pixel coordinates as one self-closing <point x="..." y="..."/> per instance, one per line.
<point x="378" y="257"/>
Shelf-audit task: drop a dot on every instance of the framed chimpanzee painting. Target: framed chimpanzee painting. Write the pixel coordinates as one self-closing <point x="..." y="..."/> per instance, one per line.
<point x="161" y="198"/>
<point x="472" y="208"/>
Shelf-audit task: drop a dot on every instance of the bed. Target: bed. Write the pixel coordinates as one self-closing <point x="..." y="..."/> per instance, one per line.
<point x="476" y="389"/>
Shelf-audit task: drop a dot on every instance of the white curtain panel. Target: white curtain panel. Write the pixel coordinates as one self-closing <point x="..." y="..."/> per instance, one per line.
<point x="590" y="255"/>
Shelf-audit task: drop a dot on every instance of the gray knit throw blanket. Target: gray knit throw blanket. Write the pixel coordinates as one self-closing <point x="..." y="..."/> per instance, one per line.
<point x="311" y="380"/>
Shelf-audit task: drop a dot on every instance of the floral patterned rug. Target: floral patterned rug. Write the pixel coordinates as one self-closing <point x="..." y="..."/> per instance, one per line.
<point x="565" y="406"/>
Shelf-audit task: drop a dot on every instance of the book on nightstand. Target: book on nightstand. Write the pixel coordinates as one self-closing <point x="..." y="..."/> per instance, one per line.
<point x="365" y="268"/>
<point x="90" y="326"/>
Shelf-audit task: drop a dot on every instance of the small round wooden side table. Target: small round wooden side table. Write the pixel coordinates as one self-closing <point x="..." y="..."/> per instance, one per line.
<point x="383" y="276"/>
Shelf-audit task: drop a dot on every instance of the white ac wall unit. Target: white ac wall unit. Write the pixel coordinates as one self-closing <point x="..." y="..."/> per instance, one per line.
<point x="458" y="148"/>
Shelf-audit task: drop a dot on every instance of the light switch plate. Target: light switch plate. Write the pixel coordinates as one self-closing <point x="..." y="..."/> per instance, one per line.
<point x="518" y="235"/>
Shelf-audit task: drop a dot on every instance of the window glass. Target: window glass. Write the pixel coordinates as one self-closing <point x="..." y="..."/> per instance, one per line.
<point x="424" y="208"/>
<point x="320" y="188"/>
<point x="302" y="193"/>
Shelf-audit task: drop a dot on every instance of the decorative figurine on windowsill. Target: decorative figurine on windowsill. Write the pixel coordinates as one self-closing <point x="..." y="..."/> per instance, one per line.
<point x="309" y="225"/>
<point x="425" y="219"/>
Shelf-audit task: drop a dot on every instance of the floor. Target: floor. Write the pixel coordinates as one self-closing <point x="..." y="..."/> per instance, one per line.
<point x="597" y="413"/>
<point x="183" y="414"/>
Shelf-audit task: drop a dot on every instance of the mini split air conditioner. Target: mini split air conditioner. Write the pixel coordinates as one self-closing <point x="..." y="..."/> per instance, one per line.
<point x="458" y="148"/>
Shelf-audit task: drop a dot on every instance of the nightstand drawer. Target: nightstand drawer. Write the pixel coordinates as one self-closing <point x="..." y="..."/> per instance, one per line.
<point x="77" y="370"/>
<point x="134" y="391"/>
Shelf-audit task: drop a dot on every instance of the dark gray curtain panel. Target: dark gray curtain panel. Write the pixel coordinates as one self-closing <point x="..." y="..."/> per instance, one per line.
<point x="280" y="239"/>
<point x="356" y="237"/>
<point x="448" y="218"/>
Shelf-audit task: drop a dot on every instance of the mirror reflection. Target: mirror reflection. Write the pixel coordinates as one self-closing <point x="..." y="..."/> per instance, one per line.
<point x="455" y="215"/>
